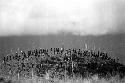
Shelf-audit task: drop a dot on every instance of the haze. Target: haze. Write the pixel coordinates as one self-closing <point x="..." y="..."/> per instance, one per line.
<point x="84" y="17"/>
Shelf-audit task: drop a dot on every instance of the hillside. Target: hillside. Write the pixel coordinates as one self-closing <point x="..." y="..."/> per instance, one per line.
<point x="113" y="44"/>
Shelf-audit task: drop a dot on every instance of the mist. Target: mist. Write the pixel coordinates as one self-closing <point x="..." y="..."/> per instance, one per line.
<point x="79" y="17"/>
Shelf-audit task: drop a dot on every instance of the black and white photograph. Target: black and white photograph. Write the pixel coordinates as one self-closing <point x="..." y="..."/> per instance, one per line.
<point x="62" y="41"/>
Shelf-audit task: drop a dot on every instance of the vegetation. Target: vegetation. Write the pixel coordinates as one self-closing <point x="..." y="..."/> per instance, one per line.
<point x="61" y="64"/>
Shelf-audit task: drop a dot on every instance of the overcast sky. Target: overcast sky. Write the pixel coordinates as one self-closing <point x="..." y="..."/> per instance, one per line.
<point x="85" y="17"/>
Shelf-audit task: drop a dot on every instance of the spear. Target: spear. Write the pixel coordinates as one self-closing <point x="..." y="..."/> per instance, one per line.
<point x="86" y="47"/>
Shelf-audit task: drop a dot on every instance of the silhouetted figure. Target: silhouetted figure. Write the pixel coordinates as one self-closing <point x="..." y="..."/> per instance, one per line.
<point x="2" y="80"/>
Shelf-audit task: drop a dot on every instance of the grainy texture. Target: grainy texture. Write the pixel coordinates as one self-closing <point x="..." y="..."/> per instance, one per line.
<point x="59" y="64"/>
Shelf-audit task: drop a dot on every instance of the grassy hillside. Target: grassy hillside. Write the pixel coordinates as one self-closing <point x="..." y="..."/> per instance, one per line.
<point x="61" y="65"/>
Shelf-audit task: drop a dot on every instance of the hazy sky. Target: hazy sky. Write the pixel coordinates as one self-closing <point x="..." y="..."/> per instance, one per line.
<point x="85" y="17"/>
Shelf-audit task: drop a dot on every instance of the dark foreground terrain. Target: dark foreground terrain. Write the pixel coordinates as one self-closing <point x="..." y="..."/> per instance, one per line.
<point x="61" y="64"/>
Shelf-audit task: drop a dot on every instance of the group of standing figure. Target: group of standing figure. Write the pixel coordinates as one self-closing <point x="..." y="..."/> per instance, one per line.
<point x="60" y="63"/>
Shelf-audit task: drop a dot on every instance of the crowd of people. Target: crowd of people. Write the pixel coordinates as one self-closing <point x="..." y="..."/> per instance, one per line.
<point x="60" y="62"/>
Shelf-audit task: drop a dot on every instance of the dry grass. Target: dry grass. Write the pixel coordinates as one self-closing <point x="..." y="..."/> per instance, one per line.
<point x="93" y="79"/>
<point x="95" y="63"/>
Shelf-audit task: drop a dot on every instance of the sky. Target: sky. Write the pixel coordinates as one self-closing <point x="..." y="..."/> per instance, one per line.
<point x="82" y="17"/>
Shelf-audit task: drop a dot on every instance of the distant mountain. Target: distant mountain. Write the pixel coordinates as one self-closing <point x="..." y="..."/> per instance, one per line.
<point x="114" y="44"/>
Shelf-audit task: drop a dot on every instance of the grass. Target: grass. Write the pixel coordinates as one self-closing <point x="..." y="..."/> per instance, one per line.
<point x="72" y="67"/>
<point x="93" y="79"/>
